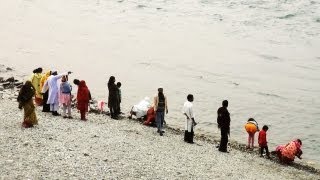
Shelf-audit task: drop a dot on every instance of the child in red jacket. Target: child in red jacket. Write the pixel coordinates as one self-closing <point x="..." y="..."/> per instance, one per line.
<point x="263" y="141"/>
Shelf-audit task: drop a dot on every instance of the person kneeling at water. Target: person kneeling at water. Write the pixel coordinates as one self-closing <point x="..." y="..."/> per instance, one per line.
<point x="190" y="122"/>
<point x="151" y="117"/>
<point x="140" y="110"/>
<point x="287" y="153"/>
<point x="251" y="128"/>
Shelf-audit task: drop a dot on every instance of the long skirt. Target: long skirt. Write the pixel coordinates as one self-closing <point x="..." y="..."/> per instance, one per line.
<point x="30" y="117"/>
<point x="46" y="107"/>
<point x="83" y="108"/>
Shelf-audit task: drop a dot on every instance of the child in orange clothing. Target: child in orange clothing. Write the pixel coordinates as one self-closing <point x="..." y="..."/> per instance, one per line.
<point x="262" y="139"/>
<point x="251" y="128"/>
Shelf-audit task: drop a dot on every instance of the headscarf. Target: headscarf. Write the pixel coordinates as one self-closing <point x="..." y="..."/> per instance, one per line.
<point x="26" y="93"/>
<point x="83" y="92"/>
<point x="297" y="143"/>
<point x="44" y="79"/>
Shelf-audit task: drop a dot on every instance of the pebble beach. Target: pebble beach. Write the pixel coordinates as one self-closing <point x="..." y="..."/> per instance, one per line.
<point x="101" y="148"/>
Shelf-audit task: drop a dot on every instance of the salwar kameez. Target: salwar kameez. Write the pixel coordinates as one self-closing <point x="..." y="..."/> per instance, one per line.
<point x="30" y="117"/>
<point x="189" y="123"/>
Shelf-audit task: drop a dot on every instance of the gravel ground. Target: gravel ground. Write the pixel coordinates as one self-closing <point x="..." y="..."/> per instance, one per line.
<point x="102" y="148"/>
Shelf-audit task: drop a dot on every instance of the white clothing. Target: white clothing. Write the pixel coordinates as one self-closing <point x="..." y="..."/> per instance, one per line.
<point x="142" y="107"/>
<point x="188" y="110"/>
<point x="52" y="84"/>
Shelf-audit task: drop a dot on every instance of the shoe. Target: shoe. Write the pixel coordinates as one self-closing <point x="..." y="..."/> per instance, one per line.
<point x="163" y="131"/>
<point x="161" y="134"/>
<point x="65" y="117"/>
<point x="55" y="113"/>
<point x="70" y="117"/>
<point x="158" y="131"/>
<point x="224" y="151"/>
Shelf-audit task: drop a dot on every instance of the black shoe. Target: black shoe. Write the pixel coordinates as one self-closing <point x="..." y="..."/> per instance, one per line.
<point x="225" y="151"/>
<point x="55" y="113"/>
<point x="161" y="134"/>
<point x="158" y="131"/>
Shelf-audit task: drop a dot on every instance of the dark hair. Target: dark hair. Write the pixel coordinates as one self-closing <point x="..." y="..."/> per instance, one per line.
<point x="112" y="80"/>
<point x="225" y="103"/>
<point x="76" y="81"/>
<point x="39" y="70"/>
<point x="251" y="119"/>
<point x="265" y="128"/>
<point x="161" y="95"/>
<point x="299" y="141"/>
<point x="119" y="84"/>
<point x="190" y="97"/>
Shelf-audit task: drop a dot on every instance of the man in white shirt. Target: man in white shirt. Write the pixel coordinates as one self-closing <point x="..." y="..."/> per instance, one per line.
<point x="190" y="122"/>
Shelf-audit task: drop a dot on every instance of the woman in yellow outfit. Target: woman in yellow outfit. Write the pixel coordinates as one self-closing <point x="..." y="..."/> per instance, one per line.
<point x="251" y="128"/>
<point x="46" y="107"/>
<point x="35" y="80"/>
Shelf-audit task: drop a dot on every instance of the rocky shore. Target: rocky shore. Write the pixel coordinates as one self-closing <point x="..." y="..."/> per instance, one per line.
<point x="102" y="148"/>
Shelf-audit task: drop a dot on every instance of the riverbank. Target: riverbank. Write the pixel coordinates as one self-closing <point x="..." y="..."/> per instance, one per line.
<point x="102" y="148"/>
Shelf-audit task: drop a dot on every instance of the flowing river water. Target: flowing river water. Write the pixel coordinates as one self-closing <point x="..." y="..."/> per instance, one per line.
<point x="263" y="56"/>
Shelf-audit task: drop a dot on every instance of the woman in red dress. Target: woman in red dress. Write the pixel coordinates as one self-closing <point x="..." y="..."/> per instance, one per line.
<point x="83" y="99"/>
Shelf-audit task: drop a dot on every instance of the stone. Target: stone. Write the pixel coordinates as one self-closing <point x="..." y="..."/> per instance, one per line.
<point x="26" y="143"/>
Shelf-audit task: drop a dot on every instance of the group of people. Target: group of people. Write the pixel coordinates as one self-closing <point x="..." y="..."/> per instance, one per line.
<point x="114" y="98"/>
<point x="286" y="153"/>
<point x="48" y="91"/>
<point x="152" y="113"/>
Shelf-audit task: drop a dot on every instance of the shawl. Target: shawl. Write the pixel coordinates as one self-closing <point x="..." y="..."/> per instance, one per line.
<point x="26" y="93"/>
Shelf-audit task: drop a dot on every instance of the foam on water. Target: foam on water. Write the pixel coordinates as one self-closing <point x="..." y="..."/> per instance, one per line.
<point x="263" y="56"/>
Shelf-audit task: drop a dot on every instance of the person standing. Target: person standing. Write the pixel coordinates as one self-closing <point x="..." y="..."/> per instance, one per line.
<point x="83" y="97"/>
<point x="65" y="97"/>
<point x="113" y="98"/>
<point x="25" y="101"/>
<point x="35" y="80"/>
<point x="160" y="107"/>
<point x="190" y="122"/>
<point x="262" y="140"/>
<point x="120" y="97"/>
<point x="223" y="121"/>
<point x="53" y="98"/>
<point x="45" y="106"/>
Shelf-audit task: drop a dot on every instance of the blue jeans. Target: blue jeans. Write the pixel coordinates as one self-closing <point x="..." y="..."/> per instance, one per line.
<point x="160" y="119"/>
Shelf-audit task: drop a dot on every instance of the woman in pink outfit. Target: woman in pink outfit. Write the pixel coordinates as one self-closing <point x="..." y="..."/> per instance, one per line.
<point x="287" y="153"/>
<point x="65" y="97"/>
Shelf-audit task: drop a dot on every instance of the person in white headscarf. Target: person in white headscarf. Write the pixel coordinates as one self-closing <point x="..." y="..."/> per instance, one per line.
<point x="53" y="98"/>
<point x="140" y="110"/>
